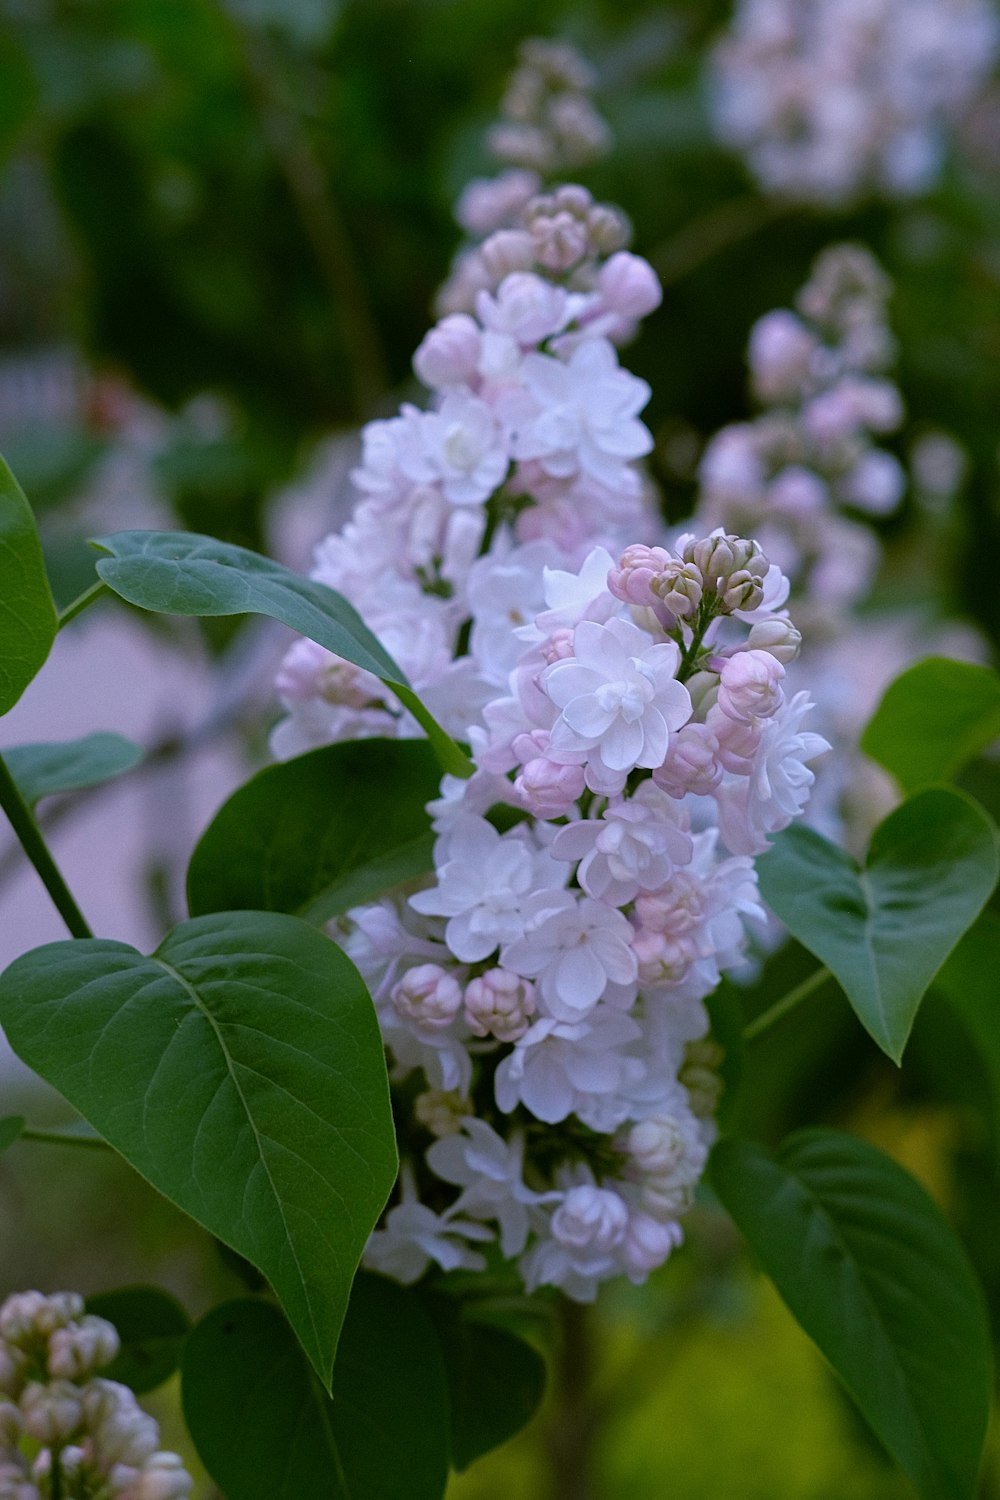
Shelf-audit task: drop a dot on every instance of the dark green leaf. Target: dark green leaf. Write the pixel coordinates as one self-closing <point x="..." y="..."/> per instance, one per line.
<point x="876" y="1277"/>
<point x="152" y="1327"/>
<point x="43" y="770"/>
<point x="319" y="834"/>
<point x="266" y="1431"/>
<point x="932" y="719"/>
<point x="240" y="1069"/>
<point x="10" y="1128"/>
<point x="28" y="620"/>
<point x="182" y="573"/>
<point x="886" y="929"/>
<point x="970" y="981"/>
<point x="495" y="1380"/>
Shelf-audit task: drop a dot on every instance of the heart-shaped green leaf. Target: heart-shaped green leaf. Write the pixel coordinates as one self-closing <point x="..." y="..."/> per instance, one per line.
<point x="152" y="1327"/>
<point x="877" y="1279"/>
<point x="28" y="620"/>
<point x="936" y="716"/>
<point x="182" y="573"/>
<point x="240" y="1069"/>
<point x="885" y="930"/>
<point x="321" y="833"/>
<point x="266" y="1431"/>
<point x="43" y="770"/>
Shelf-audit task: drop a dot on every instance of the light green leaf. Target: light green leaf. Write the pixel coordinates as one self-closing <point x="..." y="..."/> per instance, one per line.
<point x="240" y="1069"/>
<point x="28" y="620"/>
<point x="266" y="1431"/>
<point x="319" y="834"/>
<point x="182" y="573"/>
<point x="936" y="716"/>
<point x="45" y="769"/>
<point x="884" y="930"/>
<point x="876" y="1277"/>
<point x="152" y="1327"/>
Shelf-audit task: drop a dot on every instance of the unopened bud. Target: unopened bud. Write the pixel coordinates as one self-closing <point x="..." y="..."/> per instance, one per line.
<point x="499" y="1004"/>
<point x="560" y="241"/>
<point x="608" y="230"/>
<point x="656" y="1146"/>
<point x="750" y="686"/>
<point x="82" y="1348"/>
<point x="429" y="996"/>
<point x="778" y="637"/>
<point x="52" y="1413"/>
<point x="691" y="763"/>
<point x="506" y="251"/>
<point x="163" y="1478"/>
<point x="547" y="789"/>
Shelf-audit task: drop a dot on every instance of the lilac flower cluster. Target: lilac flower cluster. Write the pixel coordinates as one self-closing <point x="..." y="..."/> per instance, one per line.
<point x="541" y="995"/>
<point x="830" y="99"/>
<point x="63" y="1429"/>
<point x="819" y="375"/>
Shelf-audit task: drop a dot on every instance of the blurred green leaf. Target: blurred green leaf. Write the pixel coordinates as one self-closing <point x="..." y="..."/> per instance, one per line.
<point x="10" y="1128"/>
<point x="876" y="1277"/>
<point x="45" y="769"/>
<point x="885" y="929"/>
<point x="970" y="981"/>
<point x="152" y="1327"/>
<point x="933" y="719"/>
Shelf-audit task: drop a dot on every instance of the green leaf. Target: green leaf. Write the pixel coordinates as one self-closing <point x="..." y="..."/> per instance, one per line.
<point x="875" y="1276"/>
<point x="885" y="930"/>
<point x="152" y="1327"/>
<point x="495" y="1380"/>
<point x="42" y="770"/>
<point x="10" y="1128"/>
<point x="266" y="1431"/>
<point x="321" y="833"/>
<point x="970" y="982"/>
<point x="28" y="620"/>
<point x="182" y="573"/>
<point x="936" y="716"/>
<point x="240" y="1069"/>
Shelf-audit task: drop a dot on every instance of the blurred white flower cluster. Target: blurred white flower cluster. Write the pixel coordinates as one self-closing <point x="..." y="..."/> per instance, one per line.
<point x="63" y="1430"/>
<point x="832" y="99"/>
<point x="819" y="375"/>
<point x="541" y="995"/>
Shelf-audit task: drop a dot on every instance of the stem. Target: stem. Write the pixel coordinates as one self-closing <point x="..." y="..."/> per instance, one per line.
<point x="573" y="1433"/>
<point x="720" y="228"/>
<point x="309" y="188"/>
<point x="55" y="1487"/>
<point x="64" y="1138"/>
<point x="787" y="1002"/>
<point x="703" y="620"/>
<point x="35" y="847"/>
<point x="79" y="605"/>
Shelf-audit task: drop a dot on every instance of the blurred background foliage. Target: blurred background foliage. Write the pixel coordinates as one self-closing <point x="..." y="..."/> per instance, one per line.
<point x="222" y="223"/>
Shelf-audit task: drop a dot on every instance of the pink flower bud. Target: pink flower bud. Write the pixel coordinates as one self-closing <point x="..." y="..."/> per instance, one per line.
<point x="506" y="251"/>
<point x="548" y="790"/>
<point x="737" y="739"/>
<point x="560" y="241"/>
<point x="429" y="996"/>
<point x="449" y="353"/>
<point x="656" y="1146"/>
<point x="51" y="1413"/>
<point x="629" y="286"/>
<point x="647" y="1244"/>
<point x="778" y="637"/>
<point x="750" y="686"/>
<point x="488" y="203"/>
<point x="691" y="764"/>
<point x="500" y="1004"/>
<point x="781" y="354"/>
<point x="163" y="1478"/>
<point x="638" y="567"/>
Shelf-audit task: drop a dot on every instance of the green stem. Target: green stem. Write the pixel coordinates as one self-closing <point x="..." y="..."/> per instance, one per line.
<point x="79" y="605"/>
<point x="787" y="1002"/>
<point x="719" y="229"/>
<point x="63" y="1138"/>
<point x="31" y="841"/>
<point x="704" y="618"/>
<point x="55" y="1487"/>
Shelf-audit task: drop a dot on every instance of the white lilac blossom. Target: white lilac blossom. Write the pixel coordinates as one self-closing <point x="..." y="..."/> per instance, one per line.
<point x="63" y="1428"/>
<point x="833" y="99"/>
<point x="541" y="990"/>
